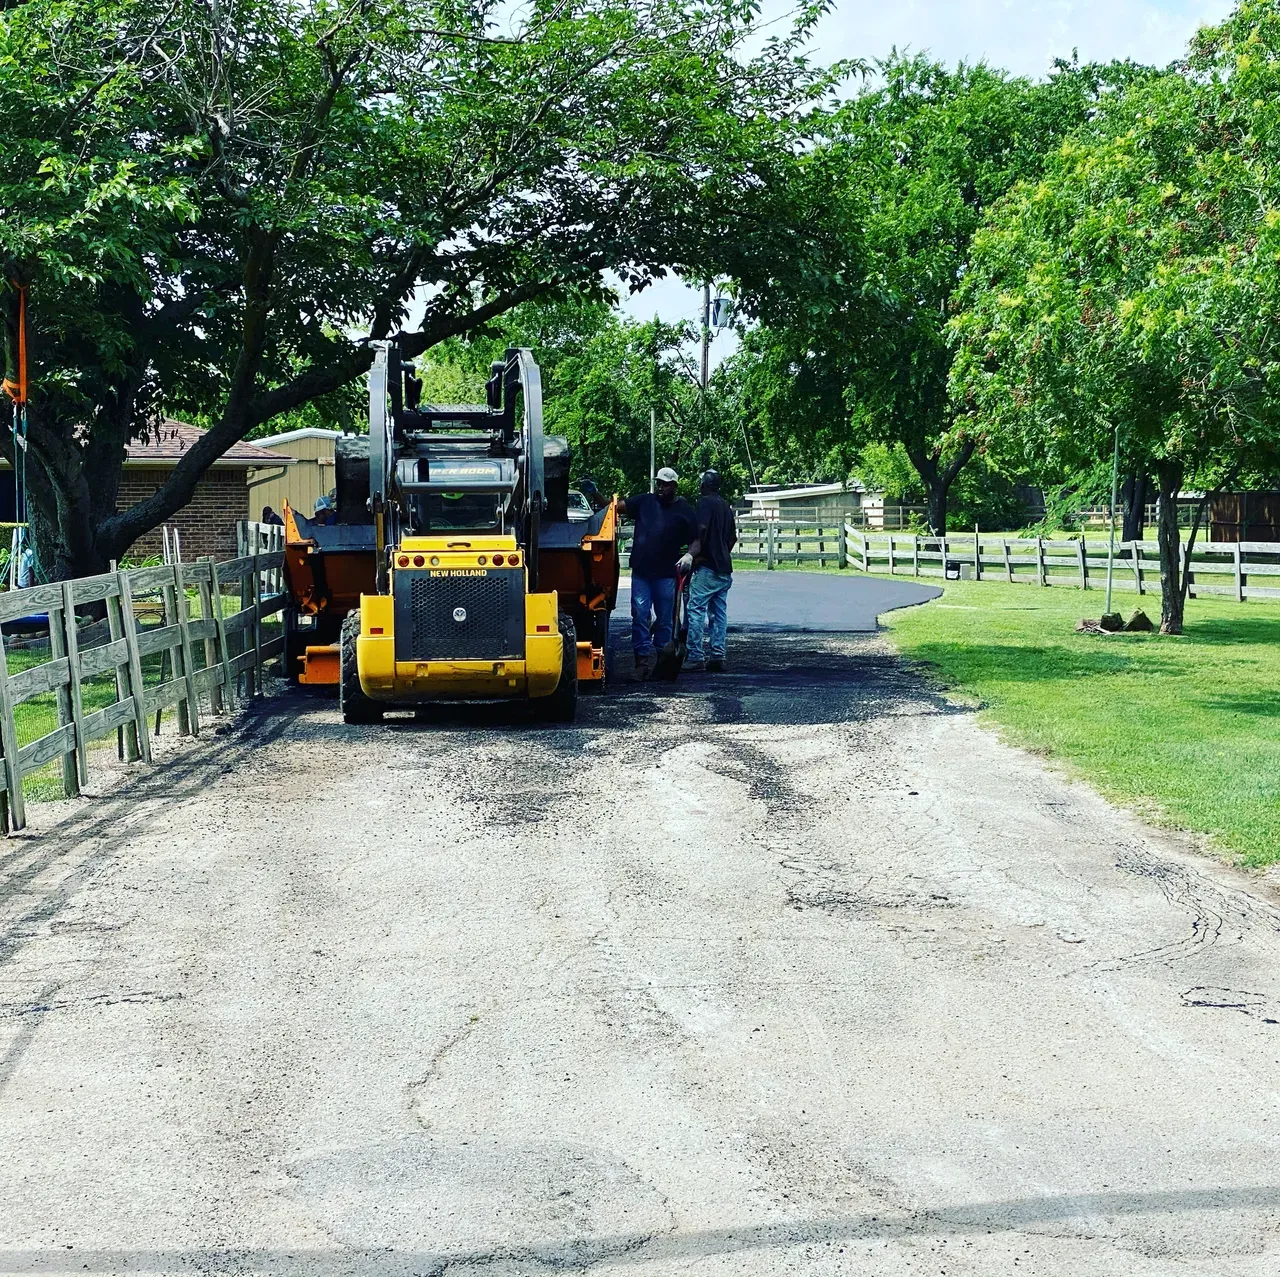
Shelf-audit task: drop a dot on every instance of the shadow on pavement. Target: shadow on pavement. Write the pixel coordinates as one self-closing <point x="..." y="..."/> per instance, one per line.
<point x="1010" y="1216"/>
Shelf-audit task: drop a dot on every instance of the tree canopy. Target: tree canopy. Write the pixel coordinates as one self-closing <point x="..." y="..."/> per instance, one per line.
<point x="603" y="375"/>
<point x="213" y="207"/>
<point x="854" y="315"/>
<point x="1133" y="285"/>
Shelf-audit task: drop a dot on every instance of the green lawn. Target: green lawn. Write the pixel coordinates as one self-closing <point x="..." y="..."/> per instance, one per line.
<point x="1186" y="730"/>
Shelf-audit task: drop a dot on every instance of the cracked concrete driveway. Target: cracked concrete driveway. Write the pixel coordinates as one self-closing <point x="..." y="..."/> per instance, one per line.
<point x="792" y="971"/>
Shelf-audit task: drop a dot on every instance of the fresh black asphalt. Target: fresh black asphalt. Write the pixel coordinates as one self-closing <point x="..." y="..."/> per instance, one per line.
<point x="811" y="602"/>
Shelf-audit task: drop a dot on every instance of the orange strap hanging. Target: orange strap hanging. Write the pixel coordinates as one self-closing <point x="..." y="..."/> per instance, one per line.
<point x="17" y="390"/>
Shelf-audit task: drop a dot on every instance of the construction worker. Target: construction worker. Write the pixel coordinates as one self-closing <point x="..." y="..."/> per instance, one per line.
<point x="711" y="555"/>
<point x="664" y="526"/>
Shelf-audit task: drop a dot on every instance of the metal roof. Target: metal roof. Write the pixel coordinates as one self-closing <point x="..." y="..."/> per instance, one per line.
<point x="309" y="432"/>
<point x="807" y="490"/>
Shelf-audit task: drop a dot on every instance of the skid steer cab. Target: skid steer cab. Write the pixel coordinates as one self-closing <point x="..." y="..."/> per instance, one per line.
<point x="450" y="569"/>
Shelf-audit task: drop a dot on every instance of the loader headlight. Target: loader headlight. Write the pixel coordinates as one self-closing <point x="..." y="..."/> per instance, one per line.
<point x="435" y="560"/>
<point x="514" y="560"/>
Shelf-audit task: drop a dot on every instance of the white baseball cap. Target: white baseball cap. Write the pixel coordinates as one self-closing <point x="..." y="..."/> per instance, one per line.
<point x="667" y="475"/>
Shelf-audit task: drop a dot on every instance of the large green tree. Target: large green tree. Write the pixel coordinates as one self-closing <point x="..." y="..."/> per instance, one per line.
<point x="603" y="376"/>
<point x="1134" y="286"/>
<point x="854" y="302"/>
<point x="213" y="207"/>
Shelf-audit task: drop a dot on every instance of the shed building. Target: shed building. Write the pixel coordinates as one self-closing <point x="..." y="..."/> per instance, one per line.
<point x="306" y="475"/>
<point x="1245" y="516"/>
<point x="803" y="501"/>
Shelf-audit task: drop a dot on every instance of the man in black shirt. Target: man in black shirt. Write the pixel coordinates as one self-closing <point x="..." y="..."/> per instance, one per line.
<point x="712" y="576"/>
<point x="664" y="526"/>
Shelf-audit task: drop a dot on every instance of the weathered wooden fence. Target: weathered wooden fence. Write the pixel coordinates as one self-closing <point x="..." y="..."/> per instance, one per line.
<point x="184" y="636"/>
<point x="774" y="543"/>
<point x="1239" y="569"/>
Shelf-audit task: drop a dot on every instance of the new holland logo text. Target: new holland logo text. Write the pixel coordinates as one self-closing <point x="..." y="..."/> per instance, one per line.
<point x="459" y="572"/>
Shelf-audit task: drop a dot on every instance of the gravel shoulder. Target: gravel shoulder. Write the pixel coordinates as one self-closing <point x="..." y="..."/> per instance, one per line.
<point x="794" y="970"/>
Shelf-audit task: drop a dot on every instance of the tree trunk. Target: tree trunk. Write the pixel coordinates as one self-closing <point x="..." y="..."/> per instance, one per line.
<point x="936" y="500"/>
<point x="937" y="481"/>
<point x="1170" y="478"/>
<point x="1134" y="496"/>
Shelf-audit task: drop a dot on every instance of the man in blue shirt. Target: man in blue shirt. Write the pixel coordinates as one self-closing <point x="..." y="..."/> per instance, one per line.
<point x="664" y="527"/>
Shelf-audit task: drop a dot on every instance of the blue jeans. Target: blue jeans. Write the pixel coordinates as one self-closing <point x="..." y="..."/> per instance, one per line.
<point x="656" y="595"/>
<point x="708" y="600"/>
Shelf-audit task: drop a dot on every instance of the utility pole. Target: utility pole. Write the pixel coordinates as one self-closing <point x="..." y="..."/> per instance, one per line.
<point x="706" y="337"/>
<point x="653" y="436"/>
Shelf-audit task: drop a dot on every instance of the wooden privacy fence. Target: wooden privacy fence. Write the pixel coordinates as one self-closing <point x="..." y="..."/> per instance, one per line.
<point x="171" y="636"/>
<point x="1239" y="569"/>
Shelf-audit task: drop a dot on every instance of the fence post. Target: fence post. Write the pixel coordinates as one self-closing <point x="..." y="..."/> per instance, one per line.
<point x="256" y="593"/>
<point x="1008" y="562"/>
<point x="915" y="553"/>
<point x="126" y="737"/>
<point x="62" y="695"/>
<point x="188" y="656"/>
<point x="1239" y="567"/>
<point x="136" y="685"/>
<point x="228" y="686"/>
<point x="977" y="556"/>
<point x="173" y="655"/>
<point x="842" y="545"/>
<point x="9" y="738"/>
<point x="81" y="760"/>
<point x="204" y="588"/>
<point x="1187" y="574"/>
<point x="866" y="557"/>
<point x="1040" y="575"/>
<point x="1135" y="548"/>
<point x="1084" y="563"/>
<point x="890" y="553"/>
<point x="769" y="553"/>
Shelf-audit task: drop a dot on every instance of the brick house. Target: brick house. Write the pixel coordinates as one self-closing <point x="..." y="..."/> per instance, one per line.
<point x="207" y="523"/>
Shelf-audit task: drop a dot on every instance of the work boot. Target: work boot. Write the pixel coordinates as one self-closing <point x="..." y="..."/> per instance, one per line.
<point x="644" y="668"/>
<point x="695" y="667"/>
<point x="715" y="665"/>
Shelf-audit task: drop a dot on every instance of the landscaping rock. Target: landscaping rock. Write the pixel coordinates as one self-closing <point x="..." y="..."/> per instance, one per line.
<point x="1139" y="623"/>
<point x="1112" y="622"/>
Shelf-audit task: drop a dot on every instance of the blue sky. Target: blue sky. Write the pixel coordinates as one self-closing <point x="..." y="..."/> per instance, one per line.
<point x="1023" y="36"/>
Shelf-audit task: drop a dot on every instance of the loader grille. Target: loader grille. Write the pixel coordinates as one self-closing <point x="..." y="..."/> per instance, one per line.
<point x="459" y="618"/>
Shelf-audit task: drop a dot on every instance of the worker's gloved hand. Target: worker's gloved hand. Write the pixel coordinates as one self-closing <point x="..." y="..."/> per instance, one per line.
<point x="686" y="563"/>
